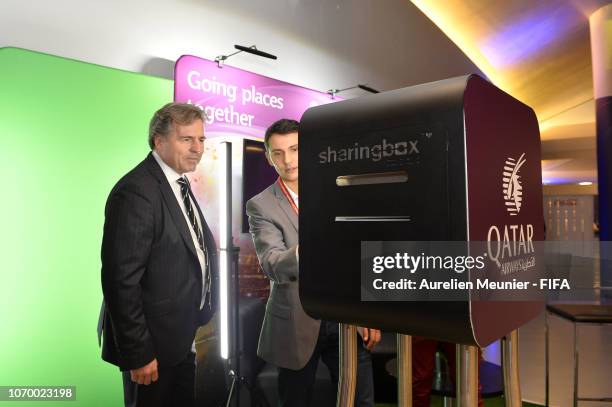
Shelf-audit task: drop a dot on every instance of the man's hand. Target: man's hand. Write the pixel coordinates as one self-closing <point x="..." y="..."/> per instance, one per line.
<point x="146" y="374"/>
<point x="370" y="336"/>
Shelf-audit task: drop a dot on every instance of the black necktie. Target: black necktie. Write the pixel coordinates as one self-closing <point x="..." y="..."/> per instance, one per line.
<point x="191" y="214"/>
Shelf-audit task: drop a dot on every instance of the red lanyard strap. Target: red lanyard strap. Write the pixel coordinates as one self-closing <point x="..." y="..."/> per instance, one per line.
<point x="283" y="188"/>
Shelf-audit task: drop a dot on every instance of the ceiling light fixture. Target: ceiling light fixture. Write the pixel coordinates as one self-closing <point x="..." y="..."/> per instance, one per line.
<point x="333" y="92"/>
<point x="220" y="60"/>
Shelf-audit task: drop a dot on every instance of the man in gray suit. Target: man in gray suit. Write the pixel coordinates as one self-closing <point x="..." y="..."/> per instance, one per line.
<point x="290" y="339"/>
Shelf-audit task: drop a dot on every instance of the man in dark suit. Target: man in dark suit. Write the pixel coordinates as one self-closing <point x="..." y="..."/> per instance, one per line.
<point x="159" y="265"/>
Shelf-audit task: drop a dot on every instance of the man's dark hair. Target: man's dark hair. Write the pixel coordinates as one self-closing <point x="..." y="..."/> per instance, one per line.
<point x="282" y="126"/>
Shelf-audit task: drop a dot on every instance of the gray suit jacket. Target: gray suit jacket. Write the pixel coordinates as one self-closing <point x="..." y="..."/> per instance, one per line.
<point x="288" y="336"/>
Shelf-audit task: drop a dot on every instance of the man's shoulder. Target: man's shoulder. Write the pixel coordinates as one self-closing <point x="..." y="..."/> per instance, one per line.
<point x="138" y="179"/>
<point x="263" y="196"/>
<point x="262" y="201"/>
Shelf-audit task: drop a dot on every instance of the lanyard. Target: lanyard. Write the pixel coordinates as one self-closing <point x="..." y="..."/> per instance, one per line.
<point x="283" y="188"/>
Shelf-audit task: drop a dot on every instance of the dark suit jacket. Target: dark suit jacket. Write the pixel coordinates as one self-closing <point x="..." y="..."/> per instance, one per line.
<point x="151" y="276"/>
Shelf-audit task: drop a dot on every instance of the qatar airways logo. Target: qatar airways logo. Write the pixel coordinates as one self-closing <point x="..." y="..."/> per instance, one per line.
<point x="512" y="186"/>
<point x="370" y="152"/>
<point x="511" y="246"/>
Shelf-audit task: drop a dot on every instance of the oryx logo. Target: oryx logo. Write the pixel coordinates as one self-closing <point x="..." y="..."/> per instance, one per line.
<point x="512" y="186"/>
<point x="369" y="152"/>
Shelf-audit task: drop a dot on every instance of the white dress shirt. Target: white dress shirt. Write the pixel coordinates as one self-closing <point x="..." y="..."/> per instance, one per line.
<point x="294" y="196"/>
<point x="172" y="177"/>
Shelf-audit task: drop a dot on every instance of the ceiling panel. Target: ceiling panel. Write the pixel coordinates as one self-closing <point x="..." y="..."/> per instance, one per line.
<point x="539" y="52"/>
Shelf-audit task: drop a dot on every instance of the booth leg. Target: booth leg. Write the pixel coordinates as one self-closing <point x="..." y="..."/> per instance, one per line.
<point x="348" y="365"/>
<point x="510" y="358"/>
<point x="546" y="359"/>
<point x="467" y="376"/>
<point x="404" y="370"/>
<point x="576" y="360"/>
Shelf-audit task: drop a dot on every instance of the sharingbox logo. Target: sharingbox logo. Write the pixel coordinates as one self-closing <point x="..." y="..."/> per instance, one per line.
<point x="511" y="182"/>
<point x="369" y="152"/>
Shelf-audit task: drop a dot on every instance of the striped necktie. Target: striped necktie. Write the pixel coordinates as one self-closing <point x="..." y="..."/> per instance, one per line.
<point x="191" y="214"/>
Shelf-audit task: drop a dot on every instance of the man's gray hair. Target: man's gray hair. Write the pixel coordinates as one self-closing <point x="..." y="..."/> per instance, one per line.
<point x="170" y="114"/>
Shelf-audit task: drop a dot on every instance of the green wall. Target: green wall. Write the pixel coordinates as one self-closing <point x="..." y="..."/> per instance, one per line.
<point x="68" y="131"/>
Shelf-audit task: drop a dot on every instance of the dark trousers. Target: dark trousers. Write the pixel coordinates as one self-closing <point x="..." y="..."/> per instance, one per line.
<point x="423" y="364"/>
<point x="295" y="387"/>
<point x="174" y="387"/>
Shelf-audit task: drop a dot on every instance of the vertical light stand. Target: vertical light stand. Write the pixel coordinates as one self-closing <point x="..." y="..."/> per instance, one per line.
<point x="228" y="276"/>
<point x="225" y="242"/>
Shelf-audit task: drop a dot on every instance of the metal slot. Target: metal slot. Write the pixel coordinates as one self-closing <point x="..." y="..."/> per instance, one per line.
<point x="392" y="177"/>
<point x="372" y="219"/>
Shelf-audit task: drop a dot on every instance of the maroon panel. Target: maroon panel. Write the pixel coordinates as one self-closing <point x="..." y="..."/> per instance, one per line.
<point x="504" y="189"/>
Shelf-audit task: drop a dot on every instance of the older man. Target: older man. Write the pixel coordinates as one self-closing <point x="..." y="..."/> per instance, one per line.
<point x="159" y="265"/>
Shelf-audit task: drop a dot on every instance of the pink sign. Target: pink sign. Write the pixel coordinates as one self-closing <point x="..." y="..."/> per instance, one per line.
<point x="238" y="102"/>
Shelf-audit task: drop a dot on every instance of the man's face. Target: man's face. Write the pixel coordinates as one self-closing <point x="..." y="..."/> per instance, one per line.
<point x="283" y="155"/>
<point x="182" y="149"/>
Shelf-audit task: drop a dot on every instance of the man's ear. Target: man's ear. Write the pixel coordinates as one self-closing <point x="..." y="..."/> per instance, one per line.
<point x="156" y="141"/>
<point x="268" y="158"/>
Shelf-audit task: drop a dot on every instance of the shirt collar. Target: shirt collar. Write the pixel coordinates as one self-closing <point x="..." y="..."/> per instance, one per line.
<point x="170" y="174"/>
<point x="294" y="196"/>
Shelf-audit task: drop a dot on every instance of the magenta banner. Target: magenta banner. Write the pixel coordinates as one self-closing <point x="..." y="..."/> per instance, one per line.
<point x="238" y="102"/>
<point x="239" y="105"/>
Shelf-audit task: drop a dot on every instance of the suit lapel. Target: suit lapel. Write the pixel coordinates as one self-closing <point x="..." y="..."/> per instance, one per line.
<point x="286" y="206"/>
<point x="171" y="203"/>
